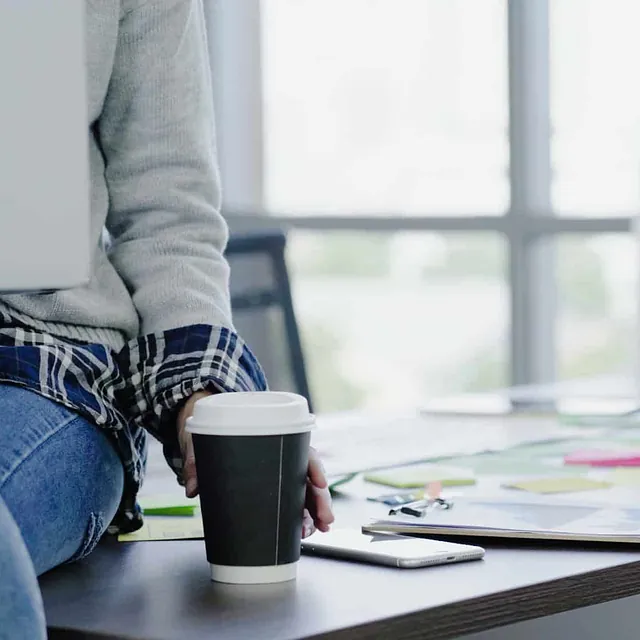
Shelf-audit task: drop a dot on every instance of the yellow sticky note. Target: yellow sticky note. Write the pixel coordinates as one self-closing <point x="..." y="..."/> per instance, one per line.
<point x="166" y="528"/>
<point x="624" y="476"/>
<point x="558" y="485"/>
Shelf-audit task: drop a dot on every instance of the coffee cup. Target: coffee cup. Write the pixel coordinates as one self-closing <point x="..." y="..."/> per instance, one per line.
<point x="252" y="453"/>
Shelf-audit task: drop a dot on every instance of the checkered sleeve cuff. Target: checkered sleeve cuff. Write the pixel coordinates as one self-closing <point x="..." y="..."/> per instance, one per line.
<point x="165" y="369"/>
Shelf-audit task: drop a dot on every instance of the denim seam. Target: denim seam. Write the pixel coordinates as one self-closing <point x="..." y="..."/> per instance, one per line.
<point x="94" y="532"/>
<point x="42" y="442"/>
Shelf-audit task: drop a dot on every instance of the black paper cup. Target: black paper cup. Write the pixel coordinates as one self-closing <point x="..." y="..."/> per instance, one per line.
<point x="252" y="452"/>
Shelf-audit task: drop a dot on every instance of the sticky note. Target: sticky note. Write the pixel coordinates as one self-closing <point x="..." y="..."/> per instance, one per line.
<point x="558" y="485"/>
<point x="417" y="476"/>
<point x="166" y="528"/>
<point x="603" y="458"/>
<point x="168" y="505"/>
<point x="624" y="476"/>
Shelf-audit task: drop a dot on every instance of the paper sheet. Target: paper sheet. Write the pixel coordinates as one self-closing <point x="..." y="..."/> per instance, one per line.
<point x="558" y="485"/>
<point x="361" y="442"/>
<point x="624" y="476"/>
<point x="417" y="476"/>
<point x="563" y="447"/>
<point x="506" y="463"/>
<point x="166" y="528"/>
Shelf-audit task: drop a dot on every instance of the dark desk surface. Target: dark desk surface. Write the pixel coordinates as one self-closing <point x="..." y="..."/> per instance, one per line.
<point x="161" y="590"/>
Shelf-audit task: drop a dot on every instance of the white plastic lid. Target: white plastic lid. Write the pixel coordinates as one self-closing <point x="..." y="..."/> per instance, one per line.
<point x="251" y="413"/>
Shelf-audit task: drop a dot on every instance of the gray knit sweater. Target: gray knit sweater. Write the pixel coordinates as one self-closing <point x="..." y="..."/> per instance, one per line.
<point x="154" y="181"/>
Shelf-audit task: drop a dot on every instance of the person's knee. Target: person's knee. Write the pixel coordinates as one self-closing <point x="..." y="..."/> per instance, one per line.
<point x="65" y="493"/>
<point x="97" y="478"/>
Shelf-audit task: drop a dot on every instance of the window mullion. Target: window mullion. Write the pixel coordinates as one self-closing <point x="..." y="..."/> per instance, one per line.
<point x="532" y="268"/>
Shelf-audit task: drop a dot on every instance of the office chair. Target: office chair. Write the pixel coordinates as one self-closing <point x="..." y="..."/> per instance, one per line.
<point x="266" y="291"/>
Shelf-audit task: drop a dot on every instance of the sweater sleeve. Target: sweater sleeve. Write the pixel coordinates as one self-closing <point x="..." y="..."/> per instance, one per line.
<point x="157" y="135"/>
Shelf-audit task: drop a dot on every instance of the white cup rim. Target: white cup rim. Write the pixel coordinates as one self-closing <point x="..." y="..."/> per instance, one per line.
<point x="261" y="413"/>
<point x="251" y="430"/>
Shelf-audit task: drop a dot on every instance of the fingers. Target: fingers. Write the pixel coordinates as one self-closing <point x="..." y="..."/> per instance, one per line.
<point x="316" y="470"/>
<point x="318" y="500"/>
<point x="319" y="507"/>
<point x="308" y="528"/>
<point x="189" y="475"/>
<point x="189" y="470"/>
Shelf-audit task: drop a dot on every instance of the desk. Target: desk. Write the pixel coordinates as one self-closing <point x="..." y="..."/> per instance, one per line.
<point x="162" y="590"/>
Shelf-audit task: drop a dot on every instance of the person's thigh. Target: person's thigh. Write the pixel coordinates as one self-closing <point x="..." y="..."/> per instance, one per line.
<point x="21" y="609"/>
<point x="60" y="477"/>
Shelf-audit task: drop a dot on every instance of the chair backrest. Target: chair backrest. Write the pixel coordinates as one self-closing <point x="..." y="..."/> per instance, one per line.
<point x="263" y="308"/>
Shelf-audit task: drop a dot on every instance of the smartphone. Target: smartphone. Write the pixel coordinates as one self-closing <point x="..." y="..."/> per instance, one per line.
<point x="388" y="549"/>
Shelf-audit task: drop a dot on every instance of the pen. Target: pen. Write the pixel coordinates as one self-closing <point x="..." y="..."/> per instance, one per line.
<point x="415" y="508"/>
<point x="418" y="508"/>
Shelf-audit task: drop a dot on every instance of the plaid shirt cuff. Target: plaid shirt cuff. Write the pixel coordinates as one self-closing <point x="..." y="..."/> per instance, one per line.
<point x="165" y="369"/>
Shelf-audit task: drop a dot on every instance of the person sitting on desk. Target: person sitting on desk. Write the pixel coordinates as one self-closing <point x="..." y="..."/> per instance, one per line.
<point x="86" y="373"/>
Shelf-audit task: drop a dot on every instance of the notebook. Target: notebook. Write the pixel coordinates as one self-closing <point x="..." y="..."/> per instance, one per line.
<point x="520" y="520"/>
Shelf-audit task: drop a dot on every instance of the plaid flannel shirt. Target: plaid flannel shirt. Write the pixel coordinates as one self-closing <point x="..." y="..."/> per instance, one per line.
<point x="132" y="392"/>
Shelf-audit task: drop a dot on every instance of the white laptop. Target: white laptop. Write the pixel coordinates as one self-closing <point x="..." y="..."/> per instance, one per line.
<point x="44" y="186"/>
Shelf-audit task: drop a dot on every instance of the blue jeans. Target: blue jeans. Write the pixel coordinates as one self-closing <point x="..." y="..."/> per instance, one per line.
<point x="61" y="482"/>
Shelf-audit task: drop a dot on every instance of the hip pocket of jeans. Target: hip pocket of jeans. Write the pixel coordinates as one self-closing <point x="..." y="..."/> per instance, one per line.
<point x="95" y="531"/>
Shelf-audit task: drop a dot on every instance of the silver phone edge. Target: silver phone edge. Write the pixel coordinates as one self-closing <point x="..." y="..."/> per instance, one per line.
<point x="448" y="558"/>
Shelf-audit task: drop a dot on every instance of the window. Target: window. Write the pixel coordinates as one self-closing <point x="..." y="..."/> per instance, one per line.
<point x="375" y="106"/>
<point x="595" y="106"/>
<point x="391" y="320"/>
<point x="597" y="314"/>
<point x="424" y="148"/>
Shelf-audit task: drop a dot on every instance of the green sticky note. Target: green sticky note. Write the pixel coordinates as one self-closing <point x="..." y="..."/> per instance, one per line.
<point x="417" y="476"/>
<point x="168" y="505"/>
<point x="176" y="510"/>
<point x="548" y="449"/>
<point x="502" y="464"/>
